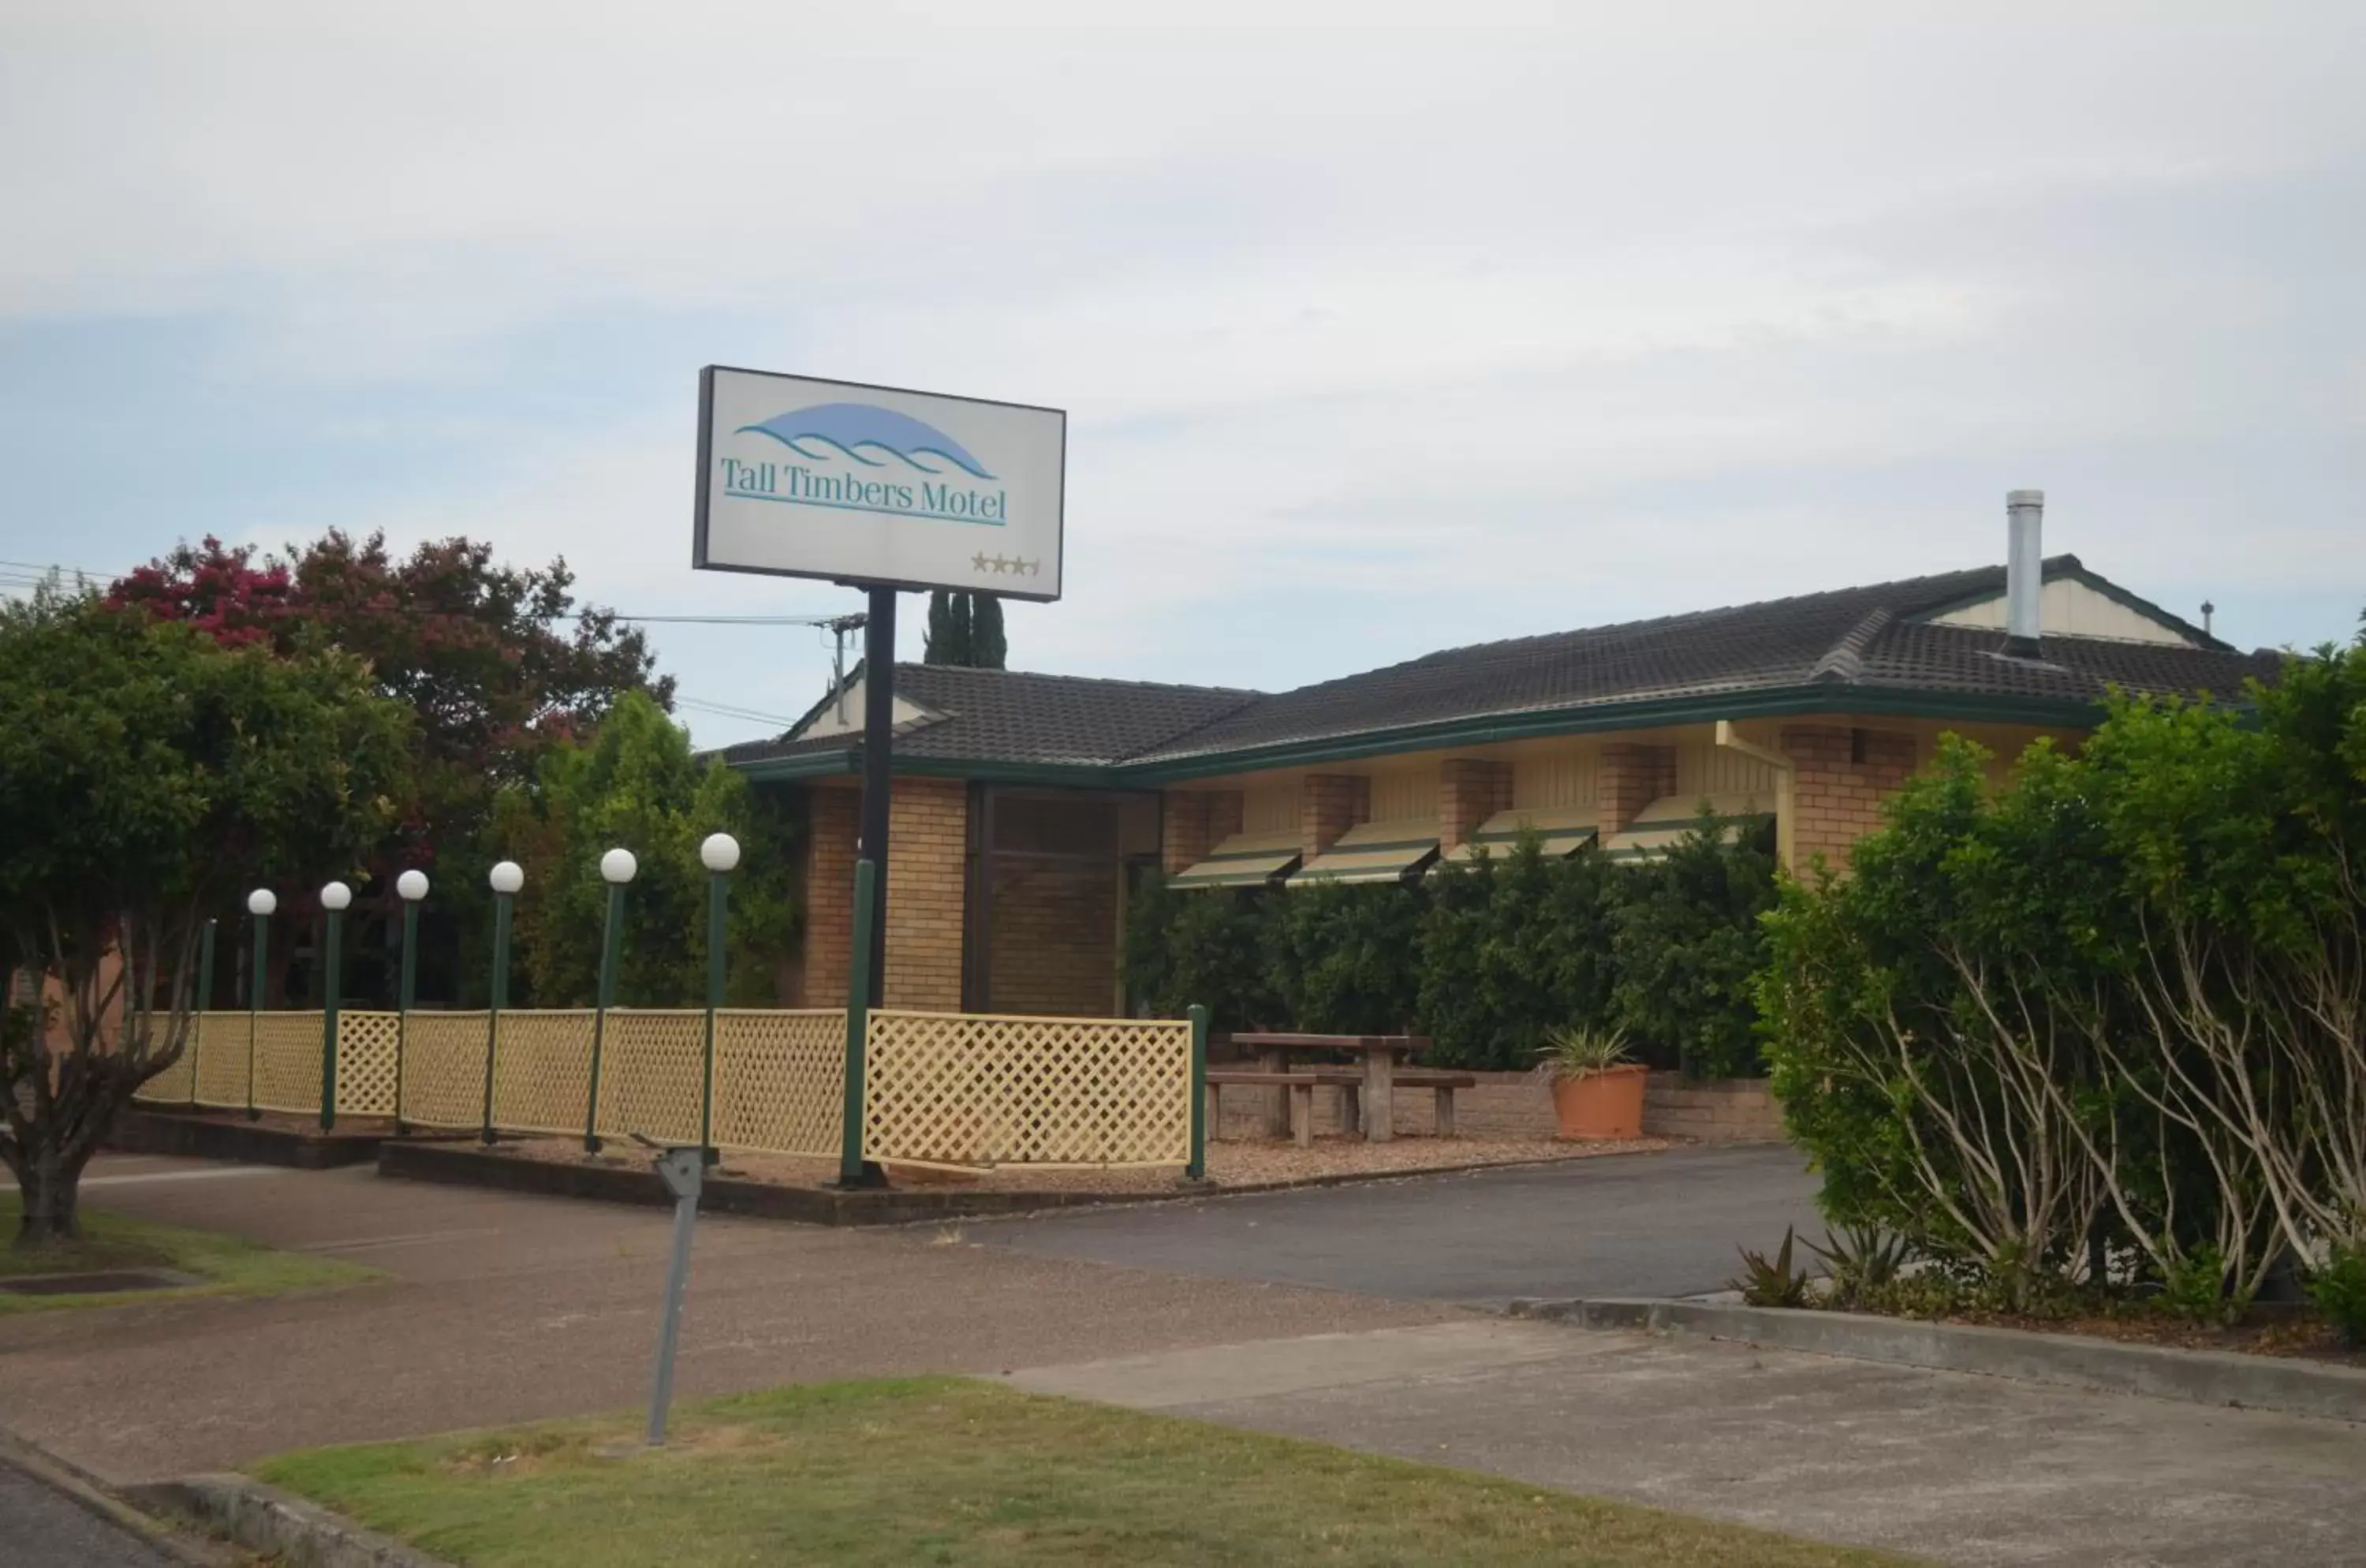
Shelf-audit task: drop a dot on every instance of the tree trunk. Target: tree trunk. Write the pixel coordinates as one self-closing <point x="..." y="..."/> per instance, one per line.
<point x="51" y="1185"/>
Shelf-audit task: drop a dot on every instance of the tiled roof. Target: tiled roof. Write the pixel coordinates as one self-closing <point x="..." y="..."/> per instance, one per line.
<point x="1009" y="715"/>
<point x="1849" y="638"/>
<point x="1871" y="643"/>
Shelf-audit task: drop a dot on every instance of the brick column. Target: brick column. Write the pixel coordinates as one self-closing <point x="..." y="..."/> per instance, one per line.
<point x="927" y="839"/>
<point x="831" y="827"/>
<point x="1194" y="823"/>
<point x="1328" y="805"/>
<point x="1469" y="792"/>
<point x="1632" y="776"/>
<point x="1841" y="776"/>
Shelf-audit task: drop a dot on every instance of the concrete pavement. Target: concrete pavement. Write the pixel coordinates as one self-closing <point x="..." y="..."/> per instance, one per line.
<point x="500" y="1307"/>
<point x="1979" y="1471"/>
<point x="1627" y="1225"/>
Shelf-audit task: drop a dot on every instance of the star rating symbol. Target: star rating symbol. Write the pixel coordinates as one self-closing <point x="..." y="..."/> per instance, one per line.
<point x="1001" y="565"/>
<point x="977" y="561"/>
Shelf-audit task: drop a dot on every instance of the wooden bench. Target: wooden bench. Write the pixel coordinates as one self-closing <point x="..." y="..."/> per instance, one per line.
<point x="1302" y="1088"/>
<point x="1443" y="1085"/>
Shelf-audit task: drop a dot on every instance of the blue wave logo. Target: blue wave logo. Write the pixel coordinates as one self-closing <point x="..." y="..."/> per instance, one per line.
<point x="870" y="435"/>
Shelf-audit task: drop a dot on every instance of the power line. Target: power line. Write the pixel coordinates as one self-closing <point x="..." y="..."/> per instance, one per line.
<point x="725" y="710"/>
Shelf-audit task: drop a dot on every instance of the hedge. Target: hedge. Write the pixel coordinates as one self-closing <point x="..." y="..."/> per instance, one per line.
<point x="1483" y="956"/>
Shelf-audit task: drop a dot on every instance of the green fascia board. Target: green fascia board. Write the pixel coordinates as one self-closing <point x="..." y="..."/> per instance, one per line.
<point x="2074" y="570"/>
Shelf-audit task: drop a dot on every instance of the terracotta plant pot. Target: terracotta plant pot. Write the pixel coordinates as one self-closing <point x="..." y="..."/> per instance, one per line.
<point x="1605" y="1103"/>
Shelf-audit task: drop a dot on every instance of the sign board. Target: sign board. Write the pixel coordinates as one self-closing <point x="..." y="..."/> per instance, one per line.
<point x="874" y="485"/>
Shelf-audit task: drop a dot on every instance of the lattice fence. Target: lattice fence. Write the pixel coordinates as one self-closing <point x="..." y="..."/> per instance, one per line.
<point x="960" y="1089"/>
<point x="221" y="1059"/>
<point x="780" y="1081"/>
<point x="366" y="1042"/>
<point x="652" y="1072"/>
<point x="287" y="1061"/>
<point x="172" y="1085"/>
<point x="444" y="1069"/>
<point x="542" y="1071"/>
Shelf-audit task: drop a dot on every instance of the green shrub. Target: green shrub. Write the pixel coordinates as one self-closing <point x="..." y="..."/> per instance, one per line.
<point x="1206" y="946"/>
<point x="2338" y="1289"/>
<point x="1344" y="958"/>
<point x="1772" y="1281"/>
<point x="1514" y="945"/>
<point x="1687" y="943"/>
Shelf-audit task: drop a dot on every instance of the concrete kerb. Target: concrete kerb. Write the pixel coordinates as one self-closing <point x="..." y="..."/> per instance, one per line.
<point x="2200" y="1377"/>
<point x="461" y="1165"/>
<point x="280" y="1526"/>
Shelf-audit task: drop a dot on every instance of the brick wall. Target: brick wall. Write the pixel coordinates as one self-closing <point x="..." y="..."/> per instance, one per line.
<point x="928" y="854"/>
<point x="834" y="818"/>
<point x="927" y="825"/>
<point x="1328" y="805"/>
<point x="1633" y="776"/>
<point x="1469" y="792"/>
<point x="1714" y="1111"/>
<point x="1054" y="945"/>
<point x="1841" y="776"/>
<point x="1193" y="823"/>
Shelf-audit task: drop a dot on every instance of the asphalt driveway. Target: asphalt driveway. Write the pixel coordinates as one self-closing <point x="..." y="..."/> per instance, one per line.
<point x="1623" y="1225"/>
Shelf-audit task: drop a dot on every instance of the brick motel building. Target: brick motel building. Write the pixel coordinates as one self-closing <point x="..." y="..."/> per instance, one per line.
<point x="1027" y="808"/>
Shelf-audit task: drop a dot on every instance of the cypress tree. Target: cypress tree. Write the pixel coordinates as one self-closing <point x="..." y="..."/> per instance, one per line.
<point x="948" y="641"/>
<point x="987" y="645"/>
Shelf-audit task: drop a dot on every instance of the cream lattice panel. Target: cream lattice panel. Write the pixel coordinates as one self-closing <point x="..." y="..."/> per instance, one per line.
<point x="172" y="1085"/>
<point x="780" y="1081"/>
<point x="365" y="1047"/>
<point x="542" y="1071"/>
<point x="444" y="1069"/>
<point x="652" y="1066"/>
<point x="221" y="1059"/>
<point x="287" y="1061"/>
<point x="972" y="1089"/>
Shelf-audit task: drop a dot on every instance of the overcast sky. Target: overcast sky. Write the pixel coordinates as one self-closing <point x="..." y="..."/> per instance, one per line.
<point x="1376" y="335"/>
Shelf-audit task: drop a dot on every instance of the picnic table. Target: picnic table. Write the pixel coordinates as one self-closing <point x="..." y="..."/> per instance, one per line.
<point x="1382" y="1054"/>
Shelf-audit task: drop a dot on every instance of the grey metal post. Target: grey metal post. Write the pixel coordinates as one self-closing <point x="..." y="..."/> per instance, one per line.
<point x="683" y="1170"/>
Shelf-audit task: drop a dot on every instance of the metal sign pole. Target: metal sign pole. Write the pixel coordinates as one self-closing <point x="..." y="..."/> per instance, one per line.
<point x="878" y="740"/>
<point x="683" y="1171"/>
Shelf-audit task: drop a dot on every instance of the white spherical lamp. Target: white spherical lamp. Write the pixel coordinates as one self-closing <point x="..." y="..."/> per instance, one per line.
<point x="719" y="851"/>
<point x="507" y="877"/>
<point x="336" y="896"/>
<point x="262" y="901"/>
<point x="412" y="886"/>
<point x="619" y="866"/>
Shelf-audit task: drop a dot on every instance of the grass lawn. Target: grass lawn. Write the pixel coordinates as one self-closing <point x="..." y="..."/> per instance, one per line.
<point x="223" y="1265"/>
<point x="950" y="1470"/>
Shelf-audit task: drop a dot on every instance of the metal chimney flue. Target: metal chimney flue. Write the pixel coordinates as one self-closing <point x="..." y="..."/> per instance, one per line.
<point x="2024" y="572"/>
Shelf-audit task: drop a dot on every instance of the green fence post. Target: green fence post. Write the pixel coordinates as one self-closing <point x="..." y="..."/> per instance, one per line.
<point x="205" y="1003"/>
<point x="507" y="879"/>
<point x="411" y="887"/>
<point x="719" y="852"/>
<point x="853" y="1169"/>
<point x="259" y="904"/>
<point x="1197" y="1169"/>
<point x="335" y="899"/>
<point x="616" y="868"/>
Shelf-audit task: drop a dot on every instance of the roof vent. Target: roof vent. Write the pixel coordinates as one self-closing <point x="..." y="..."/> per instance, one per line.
<point x="2024" y="572"/>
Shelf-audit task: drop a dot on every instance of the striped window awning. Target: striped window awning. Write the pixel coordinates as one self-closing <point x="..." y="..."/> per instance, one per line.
<point x="1564" y="832"/>
<point x="1377" y="851"/>
<point x="1244" y="859"/>
<point x="1657" y="827"/>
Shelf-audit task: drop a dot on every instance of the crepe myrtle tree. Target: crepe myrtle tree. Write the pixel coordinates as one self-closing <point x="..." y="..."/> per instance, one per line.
<point x="149" y="775"/>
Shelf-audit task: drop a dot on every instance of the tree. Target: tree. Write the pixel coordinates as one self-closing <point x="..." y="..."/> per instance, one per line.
<point x="636" y="784"/>
<point x="480" y="652"/>
<point x="147" y="772"/>
<point x="965" y="629"/>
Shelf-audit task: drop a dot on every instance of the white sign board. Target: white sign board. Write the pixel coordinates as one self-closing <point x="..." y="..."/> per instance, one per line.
<point x="874" y="485"/>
